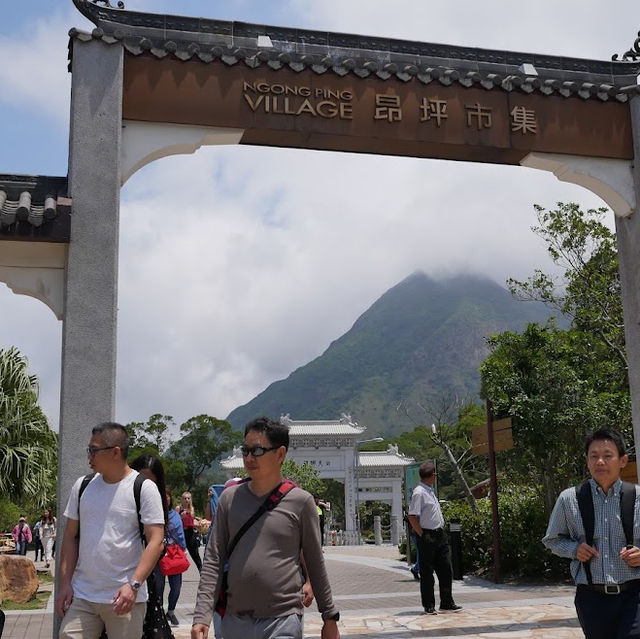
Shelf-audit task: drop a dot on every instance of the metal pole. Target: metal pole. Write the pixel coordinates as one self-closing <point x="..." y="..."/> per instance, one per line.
<point x="493" y="483"/>
<point x="356" y="463"/>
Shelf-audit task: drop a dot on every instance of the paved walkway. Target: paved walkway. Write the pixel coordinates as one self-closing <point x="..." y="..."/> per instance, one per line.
<point x="378" y="597"/>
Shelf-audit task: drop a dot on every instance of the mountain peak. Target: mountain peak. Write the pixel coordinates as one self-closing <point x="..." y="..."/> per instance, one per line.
<point x="423" y="338"/>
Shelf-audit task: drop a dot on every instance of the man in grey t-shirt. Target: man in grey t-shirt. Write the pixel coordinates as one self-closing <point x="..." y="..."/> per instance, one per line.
<point x="265" y="598"/>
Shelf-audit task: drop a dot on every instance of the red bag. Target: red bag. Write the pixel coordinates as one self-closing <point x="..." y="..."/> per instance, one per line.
<point x="174" y="562"/>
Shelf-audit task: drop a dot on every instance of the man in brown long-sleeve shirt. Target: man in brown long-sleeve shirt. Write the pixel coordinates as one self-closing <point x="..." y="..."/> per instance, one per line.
<point x="264" y="575"/>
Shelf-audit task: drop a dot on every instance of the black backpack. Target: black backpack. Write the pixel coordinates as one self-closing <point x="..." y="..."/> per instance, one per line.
<point x="627" y="512"/>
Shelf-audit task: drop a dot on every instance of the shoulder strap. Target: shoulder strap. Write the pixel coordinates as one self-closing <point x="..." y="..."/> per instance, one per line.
<point x="627" y="509"/>
<point x="585" y="504"/>
<point x="85" y="482"/>
<point x="137" y="489"/>
<point x="272" y="500"/>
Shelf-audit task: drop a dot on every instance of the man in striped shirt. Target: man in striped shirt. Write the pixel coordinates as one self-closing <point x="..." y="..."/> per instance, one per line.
<point x="608" y="605"/>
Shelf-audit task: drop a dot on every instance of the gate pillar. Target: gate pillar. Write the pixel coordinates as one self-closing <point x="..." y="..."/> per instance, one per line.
<point x="90" y="296"/>
<point x="628" y="234"/>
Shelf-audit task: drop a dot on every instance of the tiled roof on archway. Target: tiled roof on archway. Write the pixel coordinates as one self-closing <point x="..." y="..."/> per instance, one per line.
<point x="233" y="43"/>
<point x="34" y="208"/>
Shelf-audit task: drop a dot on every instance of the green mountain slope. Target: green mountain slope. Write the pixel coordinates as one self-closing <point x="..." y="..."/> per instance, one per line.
<point x="422" y="339"/>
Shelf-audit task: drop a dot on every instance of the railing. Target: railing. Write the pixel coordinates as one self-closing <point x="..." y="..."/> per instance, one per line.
<point x="392" y="533"/>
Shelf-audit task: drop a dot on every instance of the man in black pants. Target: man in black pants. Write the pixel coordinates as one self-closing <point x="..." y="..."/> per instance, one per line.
<point x="607" y="571"/>
<point x="425" y="517"/>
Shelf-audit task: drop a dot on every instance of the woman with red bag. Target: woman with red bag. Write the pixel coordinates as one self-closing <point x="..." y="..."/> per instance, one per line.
<point x="151" y="467"/>
<point x="175" y="536"/>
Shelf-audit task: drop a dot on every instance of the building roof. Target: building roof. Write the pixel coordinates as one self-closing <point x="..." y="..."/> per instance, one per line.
<point x="34" y="207"/>
<point x="366" y="459"/>
<point x="306" y="428"/>
<point x="386" y="458"/>
<point x="206" y="40"/>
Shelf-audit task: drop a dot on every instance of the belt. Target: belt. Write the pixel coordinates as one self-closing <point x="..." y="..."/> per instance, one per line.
<point x="612" y="589"/>
<point x="432" y="530"/>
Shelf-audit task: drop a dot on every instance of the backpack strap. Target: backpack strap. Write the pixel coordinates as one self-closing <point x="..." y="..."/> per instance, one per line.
<point x="137" y="489"/>
<point x="85" y="482"/>
<point x="627" y="509"/>
<point x="585" y="504"/>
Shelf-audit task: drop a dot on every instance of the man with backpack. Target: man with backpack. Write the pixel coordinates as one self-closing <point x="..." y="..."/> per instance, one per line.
<point x="593" y="525"/>
<point x="103" y="564"/>
<point x="261" y="528"/>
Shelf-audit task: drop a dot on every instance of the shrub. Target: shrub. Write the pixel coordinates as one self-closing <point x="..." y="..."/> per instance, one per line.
<point x="522" y="525"/>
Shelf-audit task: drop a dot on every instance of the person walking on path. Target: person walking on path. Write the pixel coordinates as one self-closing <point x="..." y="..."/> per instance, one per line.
<point x="264" y="579"/>
<point x="21" y="536"/>
<point x="425" y="517"/>
<point x="606" y="569"/>
<point x="48" y="534"/>
<point x="189" y="524"/>
<point x="103" y="564"/>
<point x="37" y="541"/>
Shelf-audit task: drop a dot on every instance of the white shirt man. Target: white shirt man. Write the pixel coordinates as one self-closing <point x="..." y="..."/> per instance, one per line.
<point x="425" y="517"/>
<point x="103" y="565"/>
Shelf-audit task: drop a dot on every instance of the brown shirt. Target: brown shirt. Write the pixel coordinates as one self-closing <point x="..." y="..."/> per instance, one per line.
<point x="264" y="578"/>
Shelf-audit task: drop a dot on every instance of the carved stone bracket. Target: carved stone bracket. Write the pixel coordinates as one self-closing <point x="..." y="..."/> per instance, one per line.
<point x="144" y="142"/>
<point x="612" y="180"/>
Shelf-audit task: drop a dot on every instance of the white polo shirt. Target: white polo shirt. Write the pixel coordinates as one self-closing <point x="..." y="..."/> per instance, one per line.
<point x="424" y="505"/>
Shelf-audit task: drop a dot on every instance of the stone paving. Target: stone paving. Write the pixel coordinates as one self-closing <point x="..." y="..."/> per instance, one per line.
<point x="378" y="597"/>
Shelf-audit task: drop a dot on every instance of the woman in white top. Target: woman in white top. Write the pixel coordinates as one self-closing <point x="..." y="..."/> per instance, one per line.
<point x="48" y="535"/>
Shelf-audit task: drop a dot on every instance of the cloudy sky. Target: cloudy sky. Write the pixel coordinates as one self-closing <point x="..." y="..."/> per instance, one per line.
<point x="279" y="251"/>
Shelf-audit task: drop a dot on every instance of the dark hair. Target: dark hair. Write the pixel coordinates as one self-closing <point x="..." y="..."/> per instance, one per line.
<point x="606" y="433"/>
<point x="114" y="435"/>
<point x="427" y="469"/>
<point x="48" y="515"/>
<point x="152" y="463"/>
<point x="277" y="433"/>
<point x="170" y="496"/>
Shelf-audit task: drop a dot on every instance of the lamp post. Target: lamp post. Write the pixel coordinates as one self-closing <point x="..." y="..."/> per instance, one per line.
<point x="356" y="464"/>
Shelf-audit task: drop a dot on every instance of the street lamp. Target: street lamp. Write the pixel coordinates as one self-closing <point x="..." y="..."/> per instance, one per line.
<point x="356" y="464"/>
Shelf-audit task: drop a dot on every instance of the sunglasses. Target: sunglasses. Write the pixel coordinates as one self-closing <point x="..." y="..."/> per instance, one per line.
<point x="92" y="450"/>
<point x="256" y="451"/>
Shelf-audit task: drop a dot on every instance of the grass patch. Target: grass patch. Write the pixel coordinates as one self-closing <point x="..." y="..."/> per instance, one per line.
<point x="37" y="603"/>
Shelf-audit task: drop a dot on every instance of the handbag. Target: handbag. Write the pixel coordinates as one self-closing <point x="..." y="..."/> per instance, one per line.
<point x="155" y="625"/>
<point x="174" y="562"/>
<point x="272" y="500"/>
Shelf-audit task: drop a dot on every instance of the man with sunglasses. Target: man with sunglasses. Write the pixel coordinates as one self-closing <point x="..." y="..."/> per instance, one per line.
<point x="103" y="564"/>
<point x="264" y="582"/>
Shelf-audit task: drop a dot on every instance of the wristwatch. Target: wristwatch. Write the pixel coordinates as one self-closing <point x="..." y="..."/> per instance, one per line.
<point x="135" y="585"/>
<point x="334" y="617"/>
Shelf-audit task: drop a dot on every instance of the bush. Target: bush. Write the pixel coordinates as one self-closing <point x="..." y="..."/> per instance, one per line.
<point x="523" y="523"/>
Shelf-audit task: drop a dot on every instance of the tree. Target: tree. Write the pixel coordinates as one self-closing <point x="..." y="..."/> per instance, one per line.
<point x="589" y="292"/>
<point x="204" y="440"/>
<point x="559" y="384"/>
<point x="28" y="447"/>
<point x="305" y="475"/>
<point x="452" y="423"/>
<point x="154" y="433"/>
<point x="540" y="379"/>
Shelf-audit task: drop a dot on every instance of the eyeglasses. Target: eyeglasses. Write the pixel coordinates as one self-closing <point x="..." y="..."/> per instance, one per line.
<point x="92" y="450"/>
<point x="256" y="451"/>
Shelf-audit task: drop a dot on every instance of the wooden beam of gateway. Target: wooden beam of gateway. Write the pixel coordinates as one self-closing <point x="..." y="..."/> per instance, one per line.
<point x="389" y="117"/>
